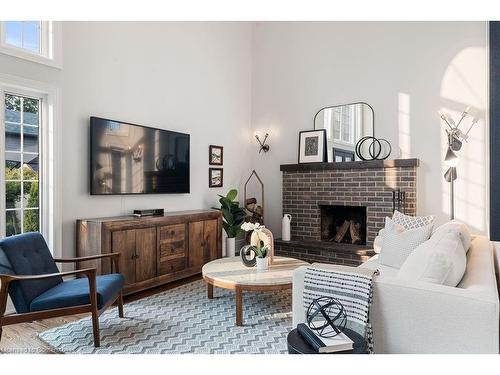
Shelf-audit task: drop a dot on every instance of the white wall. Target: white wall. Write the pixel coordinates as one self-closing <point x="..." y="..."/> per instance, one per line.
<point x="405" y="71"/>
<point x="217" y="80"/>
<point x="190" y="77"/>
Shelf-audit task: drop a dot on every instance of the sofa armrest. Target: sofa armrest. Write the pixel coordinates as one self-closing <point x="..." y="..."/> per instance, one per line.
<point x="417" y="317"/>
<point x="298" y="311"/>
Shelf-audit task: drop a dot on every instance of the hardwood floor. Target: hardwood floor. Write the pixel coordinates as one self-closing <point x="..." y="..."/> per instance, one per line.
<point x="22" y="338"/>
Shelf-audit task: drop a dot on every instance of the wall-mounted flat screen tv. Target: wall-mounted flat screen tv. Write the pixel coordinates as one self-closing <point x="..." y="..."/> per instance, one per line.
<point x="134" y="159"/>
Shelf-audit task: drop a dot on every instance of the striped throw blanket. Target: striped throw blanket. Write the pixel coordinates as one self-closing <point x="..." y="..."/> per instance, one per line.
<point x="351" y="286"/>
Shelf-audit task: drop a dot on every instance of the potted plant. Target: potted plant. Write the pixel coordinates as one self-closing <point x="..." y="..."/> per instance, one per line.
<point x="259" y="244"/>
<point x="233" y="216"/>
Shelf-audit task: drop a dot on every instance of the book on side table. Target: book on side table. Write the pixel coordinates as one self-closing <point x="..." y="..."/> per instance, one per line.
<point x="338" y="343"/>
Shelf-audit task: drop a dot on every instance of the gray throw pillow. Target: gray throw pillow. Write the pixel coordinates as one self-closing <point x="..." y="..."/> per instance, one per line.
<point x="399" y="243"/>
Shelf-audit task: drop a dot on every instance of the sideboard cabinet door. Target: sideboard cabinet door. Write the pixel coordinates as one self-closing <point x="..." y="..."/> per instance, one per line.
<point x="145" y="249"/>
<point x="202" y="242"/>
<point x="123" y="241"/>
<point x="210" y="236"/>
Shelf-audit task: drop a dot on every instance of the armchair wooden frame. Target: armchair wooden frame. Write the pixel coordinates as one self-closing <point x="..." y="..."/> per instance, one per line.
<point x="92" y="307"/>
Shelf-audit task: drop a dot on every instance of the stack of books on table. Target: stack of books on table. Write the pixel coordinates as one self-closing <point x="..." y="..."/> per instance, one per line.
<point x="338" y="343"/>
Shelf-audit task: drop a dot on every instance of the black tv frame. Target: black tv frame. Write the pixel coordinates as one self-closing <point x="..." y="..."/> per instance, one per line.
<point x="91" y="160"/>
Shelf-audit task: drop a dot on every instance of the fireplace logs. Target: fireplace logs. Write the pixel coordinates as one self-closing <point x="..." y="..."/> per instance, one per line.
<point x="348" y="227"/>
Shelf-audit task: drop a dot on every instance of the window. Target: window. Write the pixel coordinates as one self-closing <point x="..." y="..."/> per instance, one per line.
<point x="30" y="144"/>
<point x="37" y="41"/>
<point x="22" y="169"/>
<point x="24" y="34"/>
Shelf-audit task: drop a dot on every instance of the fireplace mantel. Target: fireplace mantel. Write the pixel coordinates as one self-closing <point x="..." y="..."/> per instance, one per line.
<point x="369" y="164"/>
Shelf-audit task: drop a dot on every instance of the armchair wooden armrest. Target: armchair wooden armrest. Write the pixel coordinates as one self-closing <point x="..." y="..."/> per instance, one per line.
<point x="89" y="272"/>
<point x="115" y="258"/>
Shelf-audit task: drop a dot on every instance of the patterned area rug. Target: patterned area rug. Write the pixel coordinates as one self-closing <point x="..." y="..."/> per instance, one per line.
<point x="184" y="320"/>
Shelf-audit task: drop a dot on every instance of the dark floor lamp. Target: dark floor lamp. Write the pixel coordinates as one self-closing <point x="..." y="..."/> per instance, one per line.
<point x="455" y="137"/>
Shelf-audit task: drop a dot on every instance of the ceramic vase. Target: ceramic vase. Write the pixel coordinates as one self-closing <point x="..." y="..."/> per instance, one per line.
<point x="262" y="264"/>
<point x="230" y="247"/>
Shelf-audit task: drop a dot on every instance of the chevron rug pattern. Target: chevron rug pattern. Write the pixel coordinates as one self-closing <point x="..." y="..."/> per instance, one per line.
<point x="184" y="320"/>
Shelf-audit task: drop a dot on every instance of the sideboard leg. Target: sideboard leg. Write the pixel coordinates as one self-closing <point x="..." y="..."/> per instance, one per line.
<point x="239" y="307"/>
<point x="210" y="291"/>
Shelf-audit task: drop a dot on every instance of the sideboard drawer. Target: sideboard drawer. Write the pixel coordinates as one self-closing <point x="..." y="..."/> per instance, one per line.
<point x="173" y="265"/>
<point x="169" y="233"/>
<point x="172" y="249"/>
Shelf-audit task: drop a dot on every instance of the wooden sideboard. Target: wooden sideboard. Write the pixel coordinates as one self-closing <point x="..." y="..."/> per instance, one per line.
<point x="154" y="250"/>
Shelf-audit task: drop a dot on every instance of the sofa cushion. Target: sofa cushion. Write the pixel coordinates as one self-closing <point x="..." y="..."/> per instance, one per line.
<point x="399" y="243"/>
<point x="412" y="222"/>
<point x="459" y="227"/>
<point x="28" y="254"/>
<point x="440" y="260"/>
<point x="76" y="292"/>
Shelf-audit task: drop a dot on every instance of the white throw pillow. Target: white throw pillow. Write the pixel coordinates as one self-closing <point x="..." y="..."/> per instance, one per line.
<point x="399" y="243"/>
<point x="378" y="241"/>
<point x="441" y="260"/>
<point x="459" y="227"/>
<point x="412" y="222"/>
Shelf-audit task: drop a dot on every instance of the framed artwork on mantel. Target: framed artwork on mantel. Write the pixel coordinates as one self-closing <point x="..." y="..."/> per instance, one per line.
<point x="312" y="146"/>
<point x="340" y="155"/>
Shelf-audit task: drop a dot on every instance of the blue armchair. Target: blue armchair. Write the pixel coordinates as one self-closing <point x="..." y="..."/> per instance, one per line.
<point x="28" y="273"/>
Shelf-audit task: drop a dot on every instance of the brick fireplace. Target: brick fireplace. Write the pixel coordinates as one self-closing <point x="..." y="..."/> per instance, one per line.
<point x="321" y="197"/>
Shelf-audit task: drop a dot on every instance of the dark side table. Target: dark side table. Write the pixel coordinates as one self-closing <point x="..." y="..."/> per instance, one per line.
<point x="297" y="345"/>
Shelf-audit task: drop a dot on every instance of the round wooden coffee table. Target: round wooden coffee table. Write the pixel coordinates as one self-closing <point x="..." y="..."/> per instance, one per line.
<point x="230" y="273"/>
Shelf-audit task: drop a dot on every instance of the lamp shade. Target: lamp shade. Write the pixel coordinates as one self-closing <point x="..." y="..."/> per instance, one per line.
<point x="451" y="159"/>
<point x="451" y="174"/>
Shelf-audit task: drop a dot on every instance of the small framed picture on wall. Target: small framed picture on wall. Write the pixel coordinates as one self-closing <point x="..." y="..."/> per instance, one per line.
<point x="215" y="155"/>
<point x="312" y="146"/>
<point x="215" y="177"/>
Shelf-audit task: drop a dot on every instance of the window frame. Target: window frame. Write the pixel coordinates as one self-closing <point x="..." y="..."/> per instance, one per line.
<point x="49" y="156"/>
<point x="50" y="45"/>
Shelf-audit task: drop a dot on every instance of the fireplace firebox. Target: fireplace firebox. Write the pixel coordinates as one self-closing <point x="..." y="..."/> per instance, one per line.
<point x="343" y="224"/>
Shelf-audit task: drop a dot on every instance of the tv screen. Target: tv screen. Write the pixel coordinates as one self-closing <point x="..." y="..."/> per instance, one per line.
<point x="133" y="159"/>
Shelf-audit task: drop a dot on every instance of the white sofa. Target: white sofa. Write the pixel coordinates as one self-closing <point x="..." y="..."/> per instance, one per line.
<point x="418" y="317"/>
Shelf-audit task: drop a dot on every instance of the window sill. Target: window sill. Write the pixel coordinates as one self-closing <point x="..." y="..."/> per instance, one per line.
<point x="39" y="59"/>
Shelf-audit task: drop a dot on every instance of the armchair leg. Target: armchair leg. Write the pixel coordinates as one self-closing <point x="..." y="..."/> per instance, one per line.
<point x="95" y="328"/>
<point x="3" y="303"/>
<point x="120" y="305"/>
<point x="95" y="310"/>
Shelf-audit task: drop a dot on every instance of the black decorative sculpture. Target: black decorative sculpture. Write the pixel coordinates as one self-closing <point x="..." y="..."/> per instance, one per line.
<point x="246" y="253"/>
<point x="374" y="149"/>
<point x="326" y="316"/>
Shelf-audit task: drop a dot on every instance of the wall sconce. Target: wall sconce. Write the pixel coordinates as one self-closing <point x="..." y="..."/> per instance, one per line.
<point x="263" y="146"/>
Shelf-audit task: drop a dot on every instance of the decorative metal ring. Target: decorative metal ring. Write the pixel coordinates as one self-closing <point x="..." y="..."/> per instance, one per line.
<point x="389" y="148"/>
<point x="373" y="151"/>
<point x="360" y="143"/>
<point x="358" y="148"/>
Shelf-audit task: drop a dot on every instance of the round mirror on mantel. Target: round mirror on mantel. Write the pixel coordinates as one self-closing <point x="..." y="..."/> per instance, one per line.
<point x="345" y="125"/>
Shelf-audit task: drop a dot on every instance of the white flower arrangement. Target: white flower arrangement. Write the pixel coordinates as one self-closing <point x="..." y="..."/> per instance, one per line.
<point x="259" y="240"/>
